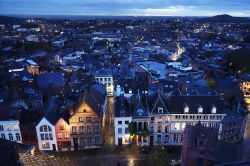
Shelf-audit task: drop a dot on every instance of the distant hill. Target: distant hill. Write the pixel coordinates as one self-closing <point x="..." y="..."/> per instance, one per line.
<point x="225" y="19"/>
<point x="7" y="19"/>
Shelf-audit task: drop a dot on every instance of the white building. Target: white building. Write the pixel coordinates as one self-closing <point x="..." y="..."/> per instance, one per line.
<point x="121" y="130"/>
<point x="10" y="130"/>
<point x="105" y="77"/>
<point x="161" y="121"/>
<point x="46" y="135"/>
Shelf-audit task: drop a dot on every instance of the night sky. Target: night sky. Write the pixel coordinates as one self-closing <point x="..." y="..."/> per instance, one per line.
<point x="126" y="7"/>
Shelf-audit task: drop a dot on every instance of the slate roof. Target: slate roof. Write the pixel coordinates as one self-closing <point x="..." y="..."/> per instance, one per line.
<point x="103" y="73"/>
<point x="95" y="98"/>
<point x="207" y="134"/>
<point x="46" y="80"/>
<point x="9" y="113"/>
<point x="156" y="102"/>
<point x="52" y="113"/>
<point x="176" y="103"/>
<point x="121" y="107"/>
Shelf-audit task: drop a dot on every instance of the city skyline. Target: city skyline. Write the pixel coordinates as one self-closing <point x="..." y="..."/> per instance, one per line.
<point x="126" y="8"/>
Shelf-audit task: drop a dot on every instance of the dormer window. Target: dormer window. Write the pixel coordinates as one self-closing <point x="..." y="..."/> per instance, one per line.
<point x="200" y="110"/>
<point x="160" y="110"/>
<point x="140" y="112"/>
<point x="122" y="113"/>
<point x="213" y="109"/>
<point x="186" y="109"/>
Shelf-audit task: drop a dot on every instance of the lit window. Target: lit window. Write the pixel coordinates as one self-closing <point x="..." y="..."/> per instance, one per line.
<point x="8" y="127"/>
<point x="16" y="127"/>
<point x="60" y="136"/>
<point x="62" y="127"/>
<point x="66" y="135"/>
<point x="81" y="119"/>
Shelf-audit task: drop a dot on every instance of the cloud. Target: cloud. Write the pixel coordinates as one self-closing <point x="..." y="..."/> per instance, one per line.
<point x="126" y="7"/>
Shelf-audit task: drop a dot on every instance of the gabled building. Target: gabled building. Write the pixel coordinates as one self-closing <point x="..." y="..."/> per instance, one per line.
<point x="105" y="77"/>
<point x="161" y="120"/>
<point x="53" y="130"/>
<point x="87" y="120"/>
<point x="9" y="124"/>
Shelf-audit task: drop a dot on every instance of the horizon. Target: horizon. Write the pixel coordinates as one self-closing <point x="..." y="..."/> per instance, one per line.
<point x="181" y="8"/>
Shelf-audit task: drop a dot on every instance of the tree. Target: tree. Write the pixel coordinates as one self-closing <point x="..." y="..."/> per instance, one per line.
<point x="211" y="83"/>
<point x="158" y="157"/>
<point x="132" y="128"/>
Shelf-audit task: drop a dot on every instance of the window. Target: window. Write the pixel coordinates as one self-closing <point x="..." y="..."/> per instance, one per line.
<point x="46" y="136"/>
<point x="84" y="110"/>
<point x="66" y="135"/>
<point x="8" y="127"/>
<point x="166" y="129"/>
<point x="82" y="140"/>
<point x="88" y="129"/>
<point x="175" y="138"/>
<point x="73" y="129"/>
<point x="10" y="137"/>
<point x="60" y="136"/>
<point x="97" y="138"/>
<point x="109" y="79"/>
<point x="43" y="145"/>
<point x="159" y="129"/>
<point x="1" y="127"/>
<point x="126" y="130"/>
<point x="160" y="119"/>
<point x="16" y="127"/>
<point x="96" y="128"/>
<point x="101" y="79"/>
<point x="3" y="136"/>
<point x="81" y="129"/>
<point x="126" y="122"/>
<point x="119" y="122"/>
<point x="119" y="130"/>
<point x="88" y="119"/>
<point x="45" y="128"/>
<point x="177" y="126"/>
<point x="50" y="136"/>
<point x="152" y="119"/>
<point x="42" y="137"/>
<point x="105" y="79"/>
<point x="81" y="119"/>
<point x="47" y="145"/>
<point x="62" y="127"/>
<point x="160" y="110"/>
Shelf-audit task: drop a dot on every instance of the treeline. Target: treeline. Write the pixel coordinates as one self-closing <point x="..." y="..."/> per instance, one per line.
<point x="239" y="61"/>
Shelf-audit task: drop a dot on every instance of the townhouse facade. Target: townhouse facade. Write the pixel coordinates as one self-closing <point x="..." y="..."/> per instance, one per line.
<point x="105" y="77"/>
<point x="165" y="118"/>
<point x="81" y="128"/>
<point x="10" y="130"/>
